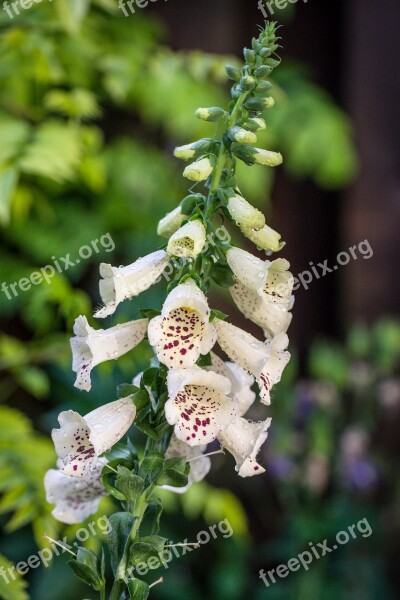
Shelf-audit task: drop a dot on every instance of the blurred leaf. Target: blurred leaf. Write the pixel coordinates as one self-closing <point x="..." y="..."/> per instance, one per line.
<point x="11" y="587"/>
<point x="8" y="182"/>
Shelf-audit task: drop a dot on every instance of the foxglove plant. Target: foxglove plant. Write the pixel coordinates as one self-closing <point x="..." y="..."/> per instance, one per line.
<point x="189" y="396"/>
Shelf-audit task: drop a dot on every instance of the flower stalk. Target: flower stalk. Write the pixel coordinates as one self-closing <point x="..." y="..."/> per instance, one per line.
<point x="189" y="396"/>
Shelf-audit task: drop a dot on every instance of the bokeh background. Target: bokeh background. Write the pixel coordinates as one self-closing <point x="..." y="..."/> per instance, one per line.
<point x="92" y="104"/>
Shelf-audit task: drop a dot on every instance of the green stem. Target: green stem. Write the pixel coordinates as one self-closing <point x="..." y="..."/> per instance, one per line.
<point x="222" y="156"/>
<point x="117" y="590"/>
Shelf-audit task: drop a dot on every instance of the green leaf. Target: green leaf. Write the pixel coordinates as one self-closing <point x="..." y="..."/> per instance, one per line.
<point x="34" y="380"/>
<point x="175" y="472"/>
<point x="8" y="183"/>
<point x="71" y="13"/>
<point x="153" y="513"/>
<point x="55" y="152"/>
<point x="172" y="478"/>
<point x="87" y="567"/>
<point x="145" y="548"/>
<point x="223" y="276"/>
<point x="148" y="377"/>
<point x="138" y="589"/>
<point x="150" y="468"/>
<point x="205" y="359"/>
<point x="118" y="538"/>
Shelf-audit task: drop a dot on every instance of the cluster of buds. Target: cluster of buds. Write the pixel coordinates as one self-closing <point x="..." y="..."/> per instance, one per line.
<point x="189" y="396"/>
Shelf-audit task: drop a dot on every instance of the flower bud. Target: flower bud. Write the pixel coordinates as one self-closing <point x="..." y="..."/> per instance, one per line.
<point x="263" y="86"/>
<point x="199" y="170"/>
<point x="233" y="73"/>
<point x="188" y="241"/>
<point x="195" y="149"/>
<point x="259" y="104"/>
<point x="242" y="136"/>
<point x="263" y="71"/>
<point x="170" y="223"/>
<point x="268" y="158"/>
<point x="213" y="113"/>
<point x="244" y="214"/>
<point x="248" y="83"/>
<point x="265" y="238"/>
<point x="255" y="124"/>
<point x="252" y="156"/>
<point x="265" y="52"/>
<point x="249" y="56"/>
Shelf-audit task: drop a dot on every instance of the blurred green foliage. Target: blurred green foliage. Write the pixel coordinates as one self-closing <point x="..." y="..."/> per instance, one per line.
<point x="91" y="106"/>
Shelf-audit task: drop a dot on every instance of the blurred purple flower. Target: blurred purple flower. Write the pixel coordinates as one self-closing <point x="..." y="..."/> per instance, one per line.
<point x="360" y="474"/>
<point x="304" y="403"/>
<point x="280" y="466"/>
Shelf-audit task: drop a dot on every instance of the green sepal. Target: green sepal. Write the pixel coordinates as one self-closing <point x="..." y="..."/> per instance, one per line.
<point x="140" y="398"/>
<point x="87" y="567"/>
<point x="129" y="484"/>
<point x="217" y="314"/>
<point x="149" y="313"/>
<point x="189" y="203"/>
<point x="126" y="389"/>
<point x="138" y="589"/>
<point x="108" y="480"/>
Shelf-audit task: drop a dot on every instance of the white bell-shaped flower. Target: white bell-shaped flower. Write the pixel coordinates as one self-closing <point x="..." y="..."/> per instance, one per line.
<point x="81" y="440"/>
<point x="121" y="283"/>
<point x="271" y="280"/>
<point x="243" y="439"/>
<point x="75" y="499"/>
<point x="241" y="382"/>
<point x="182" y="332"/>
<point x="188" y="241"/>
<point x="266" y="361"/>
<point x="265" y="238"/>
<point x="90" y="347"/>
<point x="199" y="465"/>
<point x="244" y="214"/>
<point x="274" y="318"/>
<point x="199" y="170"/>
<point x="198" y="406"/>
<point x="171" y="222"/>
